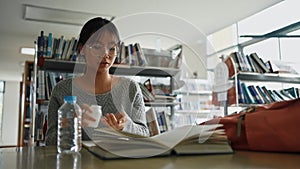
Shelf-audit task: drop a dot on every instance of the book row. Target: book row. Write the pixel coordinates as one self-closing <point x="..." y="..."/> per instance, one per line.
<point x="131" y="54"/>
<point x="46" y="82"/>
<point x="254" y="94"/>
<point x="60" y="48"/>
<point x="253" y="63"/>
<point x="56" y="48"/>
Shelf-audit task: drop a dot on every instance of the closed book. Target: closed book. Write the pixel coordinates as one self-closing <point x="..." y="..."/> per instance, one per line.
<point x="275" y="96"/>
<point x="147" y="95"/>
<point x="292" y="91"/>
<point x="255" y="95"/>
<point x="280" y="95"/>
<point x="131" y="57"/>
<point x="60" y="45"/>
<point x="247" y="94"/>
<point x="49" y="46"/>
<point x="140" y="55"/>
<point x="70" y="49"/>
<point x="287" y="94"/>
<point x="268" y="94"/>
<point x="259" y="62"/>
<point x="65" y="50"/>
<point x="236" y="59"/>
<point x="152" y="122"/>
<point x="162" y="121"/>
<point x="263" y="95"/>
<point x="250" y="61"/>
<point x="242" y="62"/>
<point x="241" y="97"/>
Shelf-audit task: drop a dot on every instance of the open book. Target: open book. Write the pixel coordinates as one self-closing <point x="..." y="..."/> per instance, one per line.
<point x="185" y="140"/>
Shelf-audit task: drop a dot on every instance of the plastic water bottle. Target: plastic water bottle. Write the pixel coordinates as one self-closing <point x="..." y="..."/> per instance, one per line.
<point x="68" y="161"/>
<point x="69" y="126"/>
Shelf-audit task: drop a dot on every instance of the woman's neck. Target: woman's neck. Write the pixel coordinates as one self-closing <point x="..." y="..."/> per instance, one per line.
<point x="96" y="82"/>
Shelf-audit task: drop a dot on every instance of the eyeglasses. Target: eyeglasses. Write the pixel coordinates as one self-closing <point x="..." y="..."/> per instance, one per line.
<point x="98" y="49"/>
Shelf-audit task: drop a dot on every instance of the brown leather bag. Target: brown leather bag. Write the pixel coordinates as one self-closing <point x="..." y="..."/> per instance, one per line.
<point x="271" y="127"/>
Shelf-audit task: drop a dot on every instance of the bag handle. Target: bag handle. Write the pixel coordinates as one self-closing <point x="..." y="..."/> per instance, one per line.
<point x="242" y="117"/>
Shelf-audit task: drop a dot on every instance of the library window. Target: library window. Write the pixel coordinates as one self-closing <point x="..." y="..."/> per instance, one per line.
<point x="2" y="87"/>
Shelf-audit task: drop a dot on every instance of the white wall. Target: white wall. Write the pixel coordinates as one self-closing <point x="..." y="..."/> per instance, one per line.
<point x="10" y="114"/>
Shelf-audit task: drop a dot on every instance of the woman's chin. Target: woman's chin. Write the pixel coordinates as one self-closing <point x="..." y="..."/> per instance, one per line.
<point x="103" y="68"/>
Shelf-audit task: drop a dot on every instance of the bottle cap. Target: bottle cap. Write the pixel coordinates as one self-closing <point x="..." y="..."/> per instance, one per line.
<point x="70" y="99"/>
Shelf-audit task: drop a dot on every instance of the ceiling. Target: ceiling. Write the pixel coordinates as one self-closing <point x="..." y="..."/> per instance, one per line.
<point x="206" y="15"/>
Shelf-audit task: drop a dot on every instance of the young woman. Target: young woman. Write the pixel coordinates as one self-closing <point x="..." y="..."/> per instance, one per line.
<point x="121" y="98"/>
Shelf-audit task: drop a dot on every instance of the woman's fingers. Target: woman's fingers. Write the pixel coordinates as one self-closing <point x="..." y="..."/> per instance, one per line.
<point x="115" y="121"/>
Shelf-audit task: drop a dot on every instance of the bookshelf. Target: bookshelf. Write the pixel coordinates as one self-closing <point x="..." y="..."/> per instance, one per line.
<point x="25" y="116"/>
<point x="241" y="72"/>
<point x="253" y="85"/>
<point x="62" y="66"/>
<point x="53" y="61"/>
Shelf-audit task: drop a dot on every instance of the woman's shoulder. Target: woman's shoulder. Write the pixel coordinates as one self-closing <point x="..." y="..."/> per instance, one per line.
<point x="63" y="85"/>
<point x="65" y="82"/>
<point x="128" y="81"/>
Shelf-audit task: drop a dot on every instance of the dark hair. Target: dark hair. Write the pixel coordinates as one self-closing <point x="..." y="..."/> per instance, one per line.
<point x="92" y="26"/>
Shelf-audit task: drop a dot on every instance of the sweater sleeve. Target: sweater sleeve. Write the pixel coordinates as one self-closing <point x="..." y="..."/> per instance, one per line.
<point x="54" y="104"/>
<point x="137" y="122"/>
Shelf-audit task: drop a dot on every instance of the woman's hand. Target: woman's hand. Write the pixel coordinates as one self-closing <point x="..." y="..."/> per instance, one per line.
<point x="116" y="121"/>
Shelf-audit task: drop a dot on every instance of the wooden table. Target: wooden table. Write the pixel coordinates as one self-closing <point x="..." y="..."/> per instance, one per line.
<point x="47" y="158"/>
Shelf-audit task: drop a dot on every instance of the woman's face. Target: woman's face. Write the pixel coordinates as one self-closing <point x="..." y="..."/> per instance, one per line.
<point x="100" y="51"/>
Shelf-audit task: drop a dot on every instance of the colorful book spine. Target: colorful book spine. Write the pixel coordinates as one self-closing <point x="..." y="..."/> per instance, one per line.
<point x="266" y="91"/>
<point x="49" y="46"/>
<point x="263" y="95"/>
<point x="248" y="96"/>
<point x="241" y="98"/>
<point x="255" y="95"/>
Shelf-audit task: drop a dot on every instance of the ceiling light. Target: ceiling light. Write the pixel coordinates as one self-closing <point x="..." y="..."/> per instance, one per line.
<point x="52" y="15"/>
<point x="27" y="51"/>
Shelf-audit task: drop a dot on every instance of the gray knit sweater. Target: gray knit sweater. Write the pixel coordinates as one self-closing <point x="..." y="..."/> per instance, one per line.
<point x="125" y="96"/>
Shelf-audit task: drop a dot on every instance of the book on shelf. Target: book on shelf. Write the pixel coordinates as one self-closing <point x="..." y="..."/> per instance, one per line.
<point x="162" y="121"/>
<point x="260" y="63"/>
<point x="247" y="94"/>
<point x="49" y="45"/>
<point x="236" y="62"/>
<point x="131" y="54"/>
<point x="140" y="54"/>
<point x="147" y="95"/>
<point x="241" y="97"/>
<point x="255" y="95"/>
<point x="294" y="92"/>
<point x="250" y="63"/>
<point x="152" y="121"/>
<point x="185" y="140"/>
<point x="263" y="95"/>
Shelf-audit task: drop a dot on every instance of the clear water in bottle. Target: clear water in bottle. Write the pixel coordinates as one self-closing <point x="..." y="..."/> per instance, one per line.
<point x="69" y="126"/>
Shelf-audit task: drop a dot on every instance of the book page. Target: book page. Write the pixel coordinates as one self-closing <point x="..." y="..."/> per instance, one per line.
<point x="177" y="135"/>
<point x="131" y="145"/>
